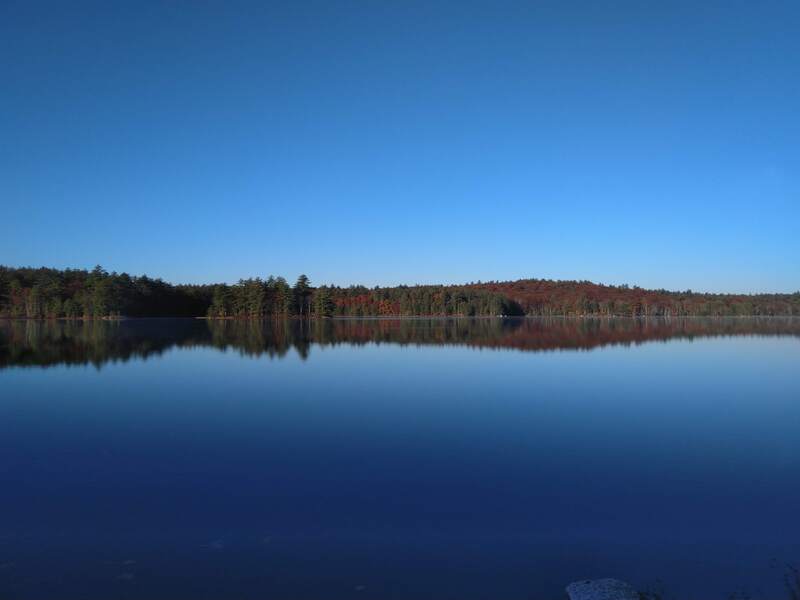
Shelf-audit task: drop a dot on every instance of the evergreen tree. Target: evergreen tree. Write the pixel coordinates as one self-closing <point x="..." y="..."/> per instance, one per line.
<point x="302" y="294"/>
<point x="323" y="303"/>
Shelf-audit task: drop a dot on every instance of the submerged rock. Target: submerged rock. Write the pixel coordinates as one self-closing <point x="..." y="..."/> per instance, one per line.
<point x="601" y="589"/>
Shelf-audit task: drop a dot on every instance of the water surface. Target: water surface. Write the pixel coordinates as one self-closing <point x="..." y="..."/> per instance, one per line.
<point x="418" y="458"/>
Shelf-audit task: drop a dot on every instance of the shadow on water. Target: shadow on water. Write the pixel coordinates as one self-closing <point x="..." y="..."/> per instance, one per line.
<point x="46" y="343"/>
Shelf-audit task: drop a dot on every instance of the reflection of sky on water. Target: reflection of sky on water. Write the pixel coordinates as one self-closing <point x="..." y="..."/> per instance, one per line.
<point x="430" y="471"/>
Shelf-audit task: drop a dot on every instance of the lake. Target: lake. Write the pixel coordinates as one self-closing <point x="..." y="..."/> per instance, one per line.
<point x="397" y="459"/>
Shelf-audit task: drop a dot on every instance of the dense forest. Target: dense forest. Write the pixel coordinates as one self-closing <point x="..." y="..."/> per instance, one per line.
<point x="42" y="293"/>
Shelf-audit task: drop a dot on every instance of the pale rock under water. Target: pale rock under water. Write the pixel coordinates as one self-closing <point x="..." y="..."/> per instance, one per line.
<point x="601" y="589"/>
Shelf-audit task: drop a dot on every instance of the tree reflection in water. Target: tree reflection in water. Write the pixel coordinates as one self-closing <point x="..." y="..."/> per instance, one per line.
<point x="96" y="342"/>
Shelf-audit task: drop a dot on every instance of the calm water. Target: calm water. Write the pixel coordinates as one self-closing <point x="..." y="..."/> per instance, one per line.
<point x="375" y="459"/>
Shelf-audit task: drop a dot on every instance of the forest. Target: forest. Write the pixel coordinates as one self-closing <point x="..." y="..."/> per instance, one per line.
<point x="44" y="293"/>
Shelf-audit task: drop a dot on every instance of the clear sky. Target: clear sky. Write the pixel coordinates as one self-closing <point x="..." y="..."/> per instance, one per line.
<point x="646" y="143"/>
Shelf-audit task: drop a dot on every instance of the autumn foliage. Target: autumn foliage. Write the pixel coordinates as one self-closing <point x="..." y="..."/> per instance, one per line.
<point x="81" y="294"/>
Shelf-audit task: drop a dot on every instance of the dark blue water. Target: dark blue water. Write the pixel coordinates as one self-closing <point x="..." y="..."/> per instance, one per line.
<point x="418" y="459"/>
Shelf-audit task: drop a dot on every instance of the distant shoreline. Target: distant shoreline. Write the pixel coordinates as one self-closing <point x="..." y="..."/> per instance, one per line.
<point x="395" y="318"/>
<point x="98" y="294"/>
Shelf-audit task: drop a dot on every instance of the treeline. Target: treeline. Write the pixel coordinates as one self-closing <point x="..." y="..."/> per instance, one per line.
<point x="73" y="293"/>
<point x="257" y="298"/>
<point x="545" y="297"/>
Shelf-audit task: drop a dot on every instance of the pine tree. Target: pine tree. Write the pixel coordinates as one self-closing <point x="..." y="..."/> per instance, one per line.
<point x="302" y="293"/>
<point x="323" y="303"/>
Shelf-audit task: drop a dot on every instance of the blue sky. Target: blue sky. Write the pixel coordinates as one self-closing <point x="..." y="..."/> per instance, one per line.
<point x="646" y="143"/>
